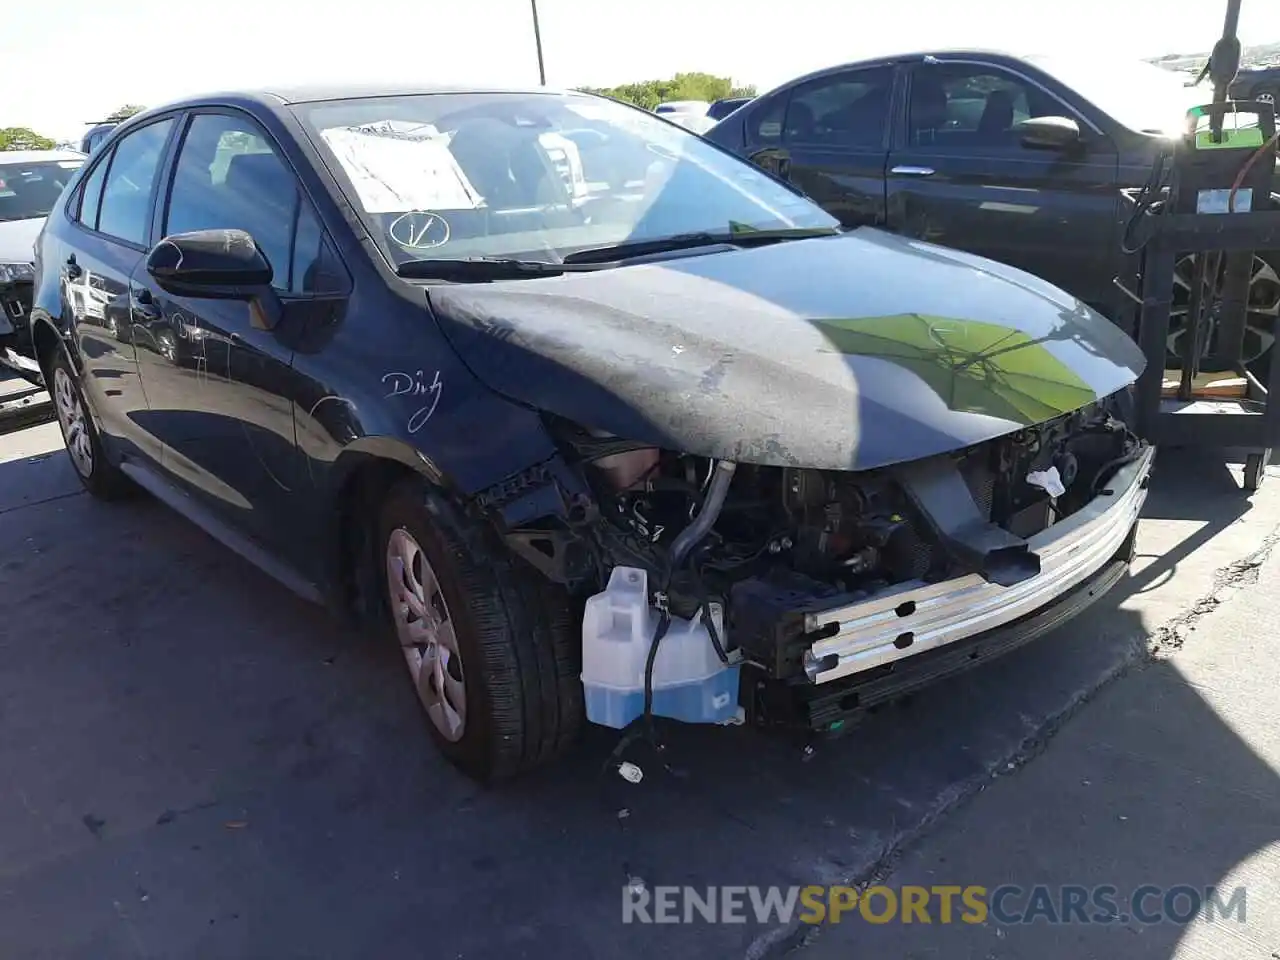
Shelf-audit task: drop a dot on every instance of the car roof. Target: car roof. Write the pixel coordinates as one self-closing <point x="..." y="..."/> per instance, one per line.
<point x="955" y="53"/>
<point x="275" y="97"/>
<point x="38" y="156"/>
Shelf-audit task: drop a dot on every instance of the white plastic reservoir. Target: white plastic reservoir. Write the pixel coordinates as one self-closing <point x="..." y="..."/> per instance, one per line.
<point x="690" y="683"/>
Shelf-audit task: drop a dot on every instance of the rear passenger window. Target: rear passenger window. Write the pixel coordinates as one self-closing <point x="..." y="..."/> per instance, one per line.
<point x="91" y="194"/>
<point x="842" y="110"/>
<point x="125" y="209"/>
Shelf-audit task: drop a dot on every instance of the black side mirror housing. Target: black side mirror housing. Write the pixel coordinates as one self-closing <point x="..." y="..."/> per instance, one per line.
<point x="1048" y="133"/>
<point x="217" y="265"/>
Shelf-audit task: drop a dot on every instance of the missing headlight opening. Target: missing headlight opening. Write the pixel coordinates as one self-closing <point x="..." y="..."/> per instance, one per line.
<point x="721" y="590"/>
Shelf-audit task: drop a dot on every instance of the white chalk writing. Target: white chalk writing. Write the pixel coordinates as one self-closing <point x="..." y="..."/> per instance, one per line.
<point x="415" y="385"/>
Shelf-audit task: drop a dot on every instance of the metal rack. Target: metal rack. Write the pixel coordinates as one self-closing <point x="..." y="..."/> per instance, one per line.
<point x="1251" y="421"/>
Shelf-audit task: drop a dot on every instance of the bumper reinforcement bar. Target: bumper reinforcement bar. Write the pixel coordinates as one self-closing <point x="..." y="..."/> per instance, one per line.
<point x="912" y="618"/>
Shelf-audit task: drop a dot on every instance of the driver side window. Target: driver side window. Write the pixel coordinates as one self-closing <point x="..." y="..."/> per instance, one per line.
<point x="972" y="105"/>
<point x="227" y="176"/>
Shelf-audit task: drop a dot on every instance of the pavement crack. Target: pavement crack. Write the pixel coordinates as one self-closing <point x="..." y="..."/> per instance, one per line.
<point x="1170" y="637"/>
<point x="1162" y="641"/>
<point x="36" y="503"/>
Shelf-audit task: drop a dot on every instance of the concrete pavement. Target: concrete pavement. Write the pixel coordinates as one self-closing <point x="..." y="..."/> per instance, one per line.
<point x="1170" y="779"/>
<point x="197" y="765"/>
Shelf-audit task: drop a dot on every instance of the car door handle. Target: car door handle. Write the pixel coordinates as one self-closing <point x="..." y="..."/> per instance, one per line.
<point x="144" y="305"/>
<point x="73" y="268"/>
<point x="913" y="171"/>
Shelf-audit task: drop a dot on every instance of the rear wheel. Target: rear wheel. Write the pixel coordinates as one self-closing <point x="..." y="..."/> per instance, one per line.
<point x="488" y="643"/>
<point x="84" y="446"/>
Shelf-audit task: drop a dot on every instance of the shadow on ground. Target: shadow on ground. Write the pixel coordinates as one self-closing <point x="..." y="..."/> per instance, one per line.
<point x="197" y="765"/>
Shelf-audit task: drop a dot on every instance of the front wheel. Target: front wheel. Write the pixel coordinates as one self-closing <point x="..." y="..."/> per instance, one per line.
<point x="488" y="644"/>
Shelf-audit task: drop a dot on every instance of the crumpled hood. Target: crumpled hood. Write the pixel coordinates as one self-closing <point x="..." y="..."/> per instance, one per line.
<point x="18" y="239"/>
<point x="848" y="352"/>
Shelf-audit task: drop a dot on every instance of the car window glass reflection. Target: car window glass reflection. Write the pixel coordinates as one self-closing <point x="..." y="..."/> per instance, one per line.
<point x="126" y="196"/>
<point x="228" y="177"/>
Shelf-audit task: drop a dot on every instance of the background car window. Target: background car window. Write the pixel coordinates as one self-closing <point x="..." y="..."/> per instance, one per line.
<point x="29" y="189"/>
<point x="972" y="105"/>
<point x="229" y="177"/>
<point x="846" y="109"/>
<point x="126" y="195"/>
<point x="91" y="194"/>
<point x="768" y="119"/>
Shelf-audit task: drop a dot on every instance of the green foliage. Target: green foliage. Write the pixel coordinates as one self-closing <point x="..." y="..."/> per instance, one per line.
<point x="683" y="86"/>
<point x="125" y="112"/>
<point x="21" y="138"/>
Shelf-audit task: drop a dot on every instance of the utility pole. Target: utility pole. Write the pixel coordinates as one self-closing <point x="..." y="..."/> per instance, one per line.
<point x="537" y="39"/>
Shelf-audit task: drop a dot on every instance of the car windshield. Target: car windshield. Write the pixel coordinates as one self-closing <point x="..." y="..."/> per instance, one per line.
<point x="537" y="176"/>
<point x="30" y="189"/>
<point x="1139" y="95"/>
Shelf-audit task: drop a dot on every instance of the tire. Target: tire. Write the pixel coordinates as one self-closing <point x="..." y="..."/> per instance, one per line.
<point x="96" y="473"/>
<point x="1267" y="94"/>
<point x="515" y="656"/>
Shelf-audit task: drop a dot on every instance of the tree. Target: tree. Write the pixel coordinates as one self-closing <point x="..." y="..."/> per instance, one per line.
<point x="22" y="138"/>
<point x="683" y="86"/>
<point x="125" y="112"/>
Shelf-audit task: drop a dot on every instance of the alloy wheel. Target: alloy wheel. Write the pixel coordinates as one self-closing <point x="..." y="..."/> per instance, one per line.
<point x="73" y="421"/>
<point x="426" y="634"/>
<point x="1262" y="308"/>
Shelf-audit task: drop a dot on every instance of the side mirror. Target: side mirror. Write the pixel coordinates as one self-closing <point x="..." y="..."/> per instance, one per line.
<point x="1049" y="133"/>
<point x="217" y="265"/>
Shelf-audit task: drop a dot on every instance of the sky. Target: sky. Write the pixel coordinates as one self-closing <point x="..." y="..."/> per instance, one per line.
<point x="64" y="63"/>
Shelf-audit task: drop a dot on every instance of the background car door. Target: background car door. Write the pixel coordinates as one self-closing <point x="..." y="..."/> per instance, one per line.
<point x="220" y="389"/>
<point x="960" y="176"/>
<point x="111" y="214"/>
<point x="829" y="137"/>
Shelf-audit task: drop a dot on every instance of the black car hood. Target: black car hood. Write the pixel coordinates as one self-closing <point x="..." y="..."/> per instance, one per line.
<point x="848" y="352"/>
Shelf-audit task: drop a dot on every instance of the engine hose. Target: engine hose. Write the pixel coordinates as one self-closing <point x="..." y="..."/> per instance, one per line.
<point x="1106" y="471"/>
<point x="708" y="620"/>
<point x="664" y="624"/>
<point x="701" y="525"/>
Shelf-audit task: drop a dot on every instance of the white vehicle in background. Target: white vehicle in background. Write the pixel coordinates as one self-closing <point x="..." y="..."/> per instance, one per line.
<point x="31" y="182"/>
<point x="683" y="106"/>
<point x="690" y="114"/>
<point x="697" y="122"/>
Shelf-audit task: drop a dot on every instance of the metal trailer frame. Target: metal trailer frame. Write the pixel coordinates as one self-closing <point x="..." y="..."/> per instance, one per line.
<point x="1252" y="422"/>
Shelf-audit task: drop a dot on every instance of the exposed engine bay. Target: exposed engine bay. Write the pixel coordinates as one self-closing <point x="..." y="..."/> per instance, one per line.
<point x="768" y="543"/>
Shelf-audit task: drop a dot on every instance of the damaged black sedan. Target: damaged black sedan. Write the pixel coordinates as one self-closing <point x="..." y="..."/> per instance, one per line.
<point x="592" y="419"/>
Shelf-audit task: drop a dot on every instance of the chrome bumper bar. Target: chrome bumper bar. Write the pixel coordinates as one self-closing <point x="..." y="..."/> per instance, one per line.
<point x="13" y="359"/>
<point x="911" y="618"/>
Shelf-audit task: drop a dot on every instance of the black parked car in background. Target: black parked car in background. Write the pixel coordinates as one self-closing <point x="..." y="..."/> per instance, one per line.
<point x="95" y="135"/>
<point x="1261" y="83"/>
<point x="1015" y="158"/>
<point x="449" y="362"/>
<point x="722" y="108"/>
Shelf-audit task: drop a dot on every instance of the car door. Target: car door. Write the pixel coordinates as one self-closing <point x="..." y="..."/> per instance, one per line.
<point x="828" y="136"/>
<point x="220" y="387"/>
<point x="961" y="175"/>
<point x="110" y="215"/>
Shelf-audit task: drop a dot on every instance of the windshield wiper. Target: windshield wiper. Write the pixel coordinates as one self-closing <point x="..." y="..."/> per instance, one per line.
<point x="689" y="241"/>
<point x="481" y="269"/>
